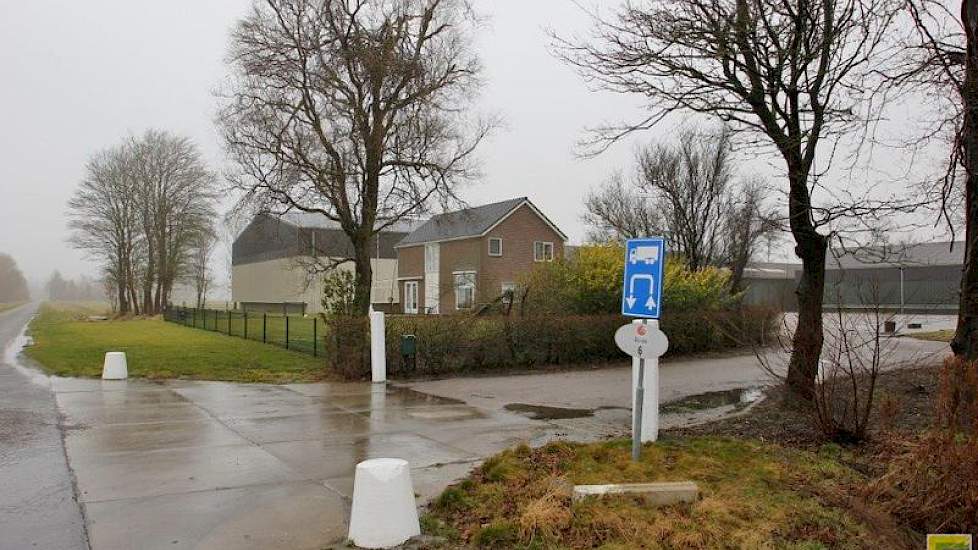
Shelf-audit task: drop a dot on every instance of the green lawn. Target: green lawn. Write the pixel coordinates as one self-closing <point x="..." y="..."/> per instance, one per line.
<point x="753" y="495"/>
<point x="67" y="344"/>
<point x="935" y="336"/>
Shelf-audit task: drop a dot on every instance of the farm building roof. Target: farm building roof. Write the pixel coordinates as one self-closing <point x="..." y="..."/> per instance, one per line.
<point x="898" y="255"/>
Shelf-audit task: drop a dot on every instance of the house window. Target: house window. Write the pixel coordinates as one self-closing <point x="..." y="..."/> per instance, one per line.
<point x="431" y="258"/>
<point x="543" y="251"/>
<point x="495" y="246"/>
<point x="464" y="290"/>
<point x="411" y="297"/>
<point x="508" y="292"/>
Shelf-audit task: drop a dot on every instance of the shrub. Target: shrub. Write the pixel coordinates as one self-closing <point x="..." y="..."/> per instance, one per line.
<point x="347" y="345"/>
<point x="339" y="292"/>
<point x="933" y="487"/>
<point x="590" y="283"/>
<point x="450" y="344"/>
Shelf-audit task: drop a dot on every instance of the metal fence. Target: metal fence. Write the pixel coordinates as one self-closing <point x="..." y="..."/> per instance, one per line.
<point x="302" y="334"/>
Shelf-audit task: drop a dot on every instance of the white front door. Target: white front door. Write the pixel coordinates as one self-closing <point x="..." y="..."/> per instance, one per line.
<point x="432" y="283"/>
<point x="411" y="297"/>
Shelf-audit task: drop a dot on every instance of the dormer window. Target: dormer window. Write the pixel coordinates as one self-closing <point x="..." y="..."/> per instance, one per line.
<point x="495" y="246"/>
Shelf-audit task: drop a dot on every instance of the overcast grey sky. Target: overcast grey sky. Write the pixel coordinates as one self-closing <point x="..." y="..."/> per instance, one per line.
<point x="80" y="76"/>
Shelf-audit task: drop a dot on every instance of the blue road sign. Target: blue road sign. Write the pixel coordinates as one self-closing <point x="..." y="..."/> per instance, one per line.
<point x="642" y="293"/>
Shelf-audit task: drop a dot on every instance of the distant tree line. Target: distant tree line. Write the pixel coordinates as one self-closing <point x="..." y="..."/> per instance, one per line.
<point x="13" y="285"/>
<point x="70" y="290"/>
<point x="143" y="210"/>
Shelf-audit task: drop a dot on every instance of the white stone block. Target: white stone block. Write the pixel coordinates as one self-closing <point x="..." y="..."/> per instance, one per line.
<point x="656" y="494"/>
<point x="384" y="513"/>
<point x="115" y="367"/>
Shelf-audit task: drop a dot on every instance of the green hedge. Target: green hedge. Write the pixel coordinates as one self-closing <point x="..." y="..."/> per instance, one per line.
<point x="449" y="344"/>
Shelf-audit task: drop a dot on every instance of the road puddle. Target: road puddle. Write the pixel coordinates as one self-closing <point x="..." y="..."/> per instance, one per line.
<point x="737" y="399"/>
<point x="542" y="412"/>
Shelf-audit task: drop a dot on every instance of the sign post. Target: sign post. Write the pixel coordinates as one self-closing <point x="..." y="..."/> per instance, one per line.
<point x="642" y="339"/>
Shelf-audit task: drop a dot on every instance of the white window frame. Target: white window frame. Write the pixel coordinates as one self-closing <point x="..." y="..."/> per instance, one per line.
<point x="508" y="287"/>
<point x="544" y="246"/>
<point x="500" y="240"/>
<point x="468" y="287"/>
<point x="407" y="303"/>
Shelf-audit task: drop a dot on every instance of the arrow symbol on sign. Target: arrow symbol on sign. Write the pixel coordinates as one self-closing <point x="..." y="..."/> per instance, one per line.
<point x="630" y="300"/>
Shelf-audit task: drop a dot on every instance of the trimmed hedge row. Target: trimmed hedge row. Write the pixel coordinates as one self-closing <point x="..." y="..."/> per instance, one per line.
<point x="453" y="344"/>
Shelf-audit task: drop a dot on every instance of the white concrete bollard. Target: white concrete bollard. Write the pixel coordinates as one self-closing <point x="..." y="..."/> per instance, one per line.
<point x="378" y="347"/>
<point x="384" y="513"/>
<point x="114" y="367"/>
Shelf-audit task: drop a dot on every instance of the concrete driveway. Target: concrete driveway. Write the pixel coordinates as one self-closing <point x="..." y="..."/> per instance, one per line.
<point x="183" y="464"/>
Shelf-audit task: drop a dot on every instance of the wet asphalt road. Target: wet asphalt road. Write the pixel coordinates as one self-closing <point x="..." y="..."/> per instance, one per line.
<point x="37" y="500"/>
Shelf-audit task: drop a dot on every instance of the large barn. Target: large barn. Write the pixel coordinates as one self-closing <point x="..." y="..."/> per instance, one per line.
<point x="913" y="278"/>
<point x="269" y="259"/>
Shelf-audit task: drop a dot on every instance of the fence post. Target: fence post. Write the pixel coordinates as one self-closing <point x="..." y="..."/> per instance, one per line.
<point x="245" y="314"/>
<point x="286" y="332"/>
<point x="315" y="338"/>
<point x="229" y="322"/>
<point x="264" y="328"/>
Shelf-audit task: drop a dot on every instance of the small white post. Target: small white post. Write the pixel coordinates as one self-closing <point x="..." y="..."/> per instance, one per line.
<point x="384" y="513"/>
<point x="650" y="403"/>
<point x="115" y="367"/>
<point x="378" y="348"/>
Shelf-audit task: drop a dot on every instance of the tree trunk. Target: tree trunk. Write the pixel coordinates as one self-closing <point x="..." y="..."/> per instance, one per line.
<point x="807" y="340"/>
<point x="363" y="281"/>
<point x="810" y="247"/>
<point x="965" y="342"/>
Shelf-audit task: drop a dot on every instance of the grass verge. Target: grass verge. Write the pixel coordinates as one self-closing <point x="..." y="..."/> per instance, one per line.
<point x="754" y="495"/>
<point x="67" y="344"/>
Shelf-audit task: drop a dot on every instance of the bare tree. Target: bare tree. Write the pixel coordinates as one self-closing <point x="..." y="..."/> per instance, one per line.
<point x="139" y="208"/>
<point x="937" y="58"/>
<point x="13" y="285"/>
<point x="620" y="210"/>
<point x="353" y="110"/>
<point x="176" y="196"/>
<point x="785" y="74"/>
<point x="748" y="222"/>
<point x="104" y="220"/>
<point x="688" y="192"/>
<point x="692" y="180"/>
<point x="199" y="271"/>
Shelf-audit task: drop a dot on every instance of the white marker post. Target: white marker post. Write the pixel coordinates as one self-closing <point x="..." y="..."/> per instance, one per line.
<point x="641" y="296"/>
<point x="643" y="340"/>
<point x="378" y="348"/>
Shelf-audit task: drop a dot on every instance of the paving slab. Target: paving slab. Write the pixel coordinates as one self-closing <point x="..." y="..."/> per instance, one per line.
<point x="330" y="459"/>
<point x="141" y="474"/>
<point x="324" y="425"/>
<point x="117" y="438"/>
<point x="293" y="515"/>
